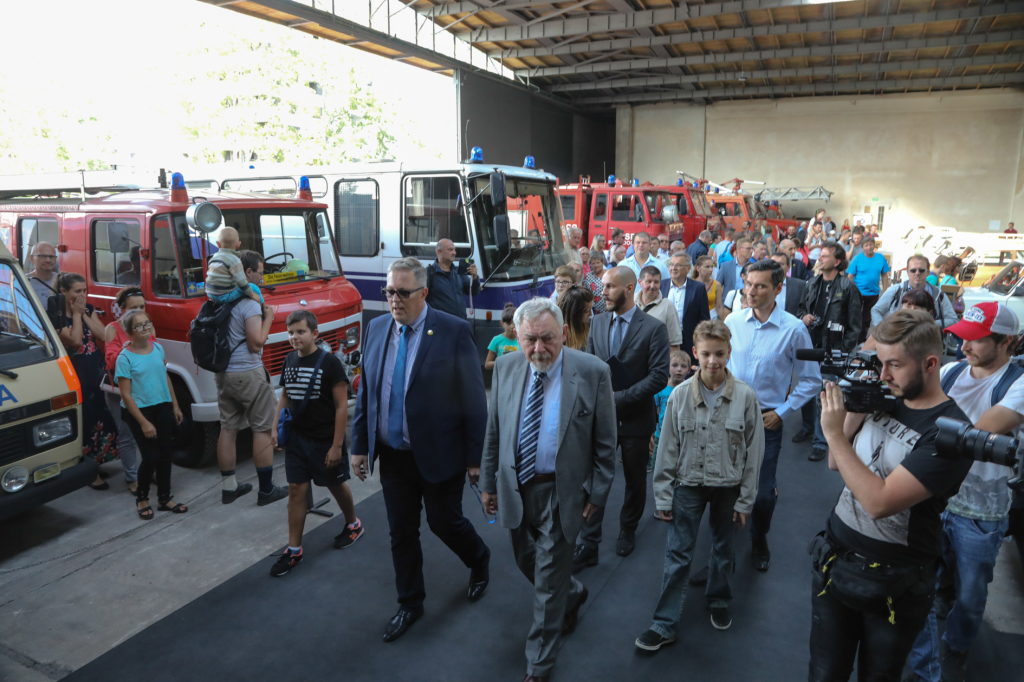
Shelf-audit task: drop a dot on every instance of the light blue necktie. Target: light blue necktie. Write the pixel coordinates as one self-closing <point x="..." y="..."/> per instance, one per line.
<point x="530" y="434"/>
<point x="396" y="402"/>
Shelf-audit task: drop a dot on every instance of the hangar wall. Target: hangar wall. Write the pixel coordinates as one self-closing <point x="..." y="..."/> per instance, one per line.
<point x="951" y="159"/>
<point x="510" y="123"/>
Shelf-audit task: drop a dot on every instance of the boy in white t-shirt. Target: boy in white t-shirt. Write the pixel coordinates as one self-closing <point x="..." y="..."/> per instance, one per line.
<point x="976" y="518"/>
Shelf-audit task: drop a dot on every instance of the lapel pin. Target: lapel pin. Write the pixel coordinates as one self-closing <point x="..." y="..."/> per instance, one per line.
<point x="430" y="332"/>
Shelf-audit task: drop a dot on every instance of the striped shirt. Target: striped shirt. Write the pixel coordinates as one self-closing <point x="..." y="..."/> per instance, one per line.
<point x="764" y="357"/>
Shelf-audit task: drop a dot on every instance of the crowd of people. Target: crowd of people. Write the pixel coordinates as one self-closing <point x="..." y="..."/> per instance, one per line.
<point x="677" y="360"/>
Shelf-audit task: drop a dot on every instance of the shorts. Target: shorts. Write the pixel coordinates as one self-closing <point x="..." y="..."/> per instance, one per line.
<point x="246" y="399"/>
<point x="305" y="461"/>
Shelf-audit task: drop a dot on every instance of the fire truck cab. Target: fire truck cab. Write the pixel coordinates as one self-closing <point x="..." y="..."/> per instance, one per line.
<point x="117" y="229"/>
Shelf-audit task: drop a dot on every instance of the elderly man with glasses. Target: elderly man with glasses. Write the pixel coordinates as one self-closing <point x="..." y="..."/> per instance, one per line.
<point x="44" y="275"/>
<point x="917" y="274"/>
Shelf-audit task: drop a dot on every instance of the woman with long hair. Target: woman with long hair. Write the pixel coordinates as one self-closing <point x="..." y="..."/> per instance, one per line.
<point x="82" y="336"/>
<point x="577" y="304"/>
<point x="598" y="245"/>
<point x="702" y="272"/>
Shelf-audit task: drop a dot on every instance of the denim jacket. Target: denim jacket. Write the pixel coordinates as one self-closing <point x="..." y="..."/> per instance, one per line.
<point x="725" y="452"/>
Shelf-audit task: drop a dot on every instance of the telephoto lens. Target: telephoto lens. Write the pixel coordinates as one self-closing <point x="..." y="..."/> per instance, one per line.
<point x="959" y="440"/>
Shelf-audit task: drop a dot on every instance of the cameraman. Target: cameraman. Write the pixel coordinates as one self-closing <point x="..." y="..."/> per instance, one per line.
<point x="988" y="387"/>
<point x="874" y="565"/>
<point x="828" y="298"/>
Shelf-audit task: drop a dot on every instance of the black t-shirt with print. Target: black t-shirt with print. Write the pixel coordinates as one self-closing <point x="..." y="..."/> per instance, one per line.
<point x="317" y="422"/>
<point x="912" y="537"/>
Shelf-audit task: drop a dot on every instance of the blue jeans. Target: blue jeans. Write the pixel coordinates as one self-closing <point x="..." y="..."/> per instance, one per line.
<point x="688" y="504"/>
<point x="764" y="505"/>
<point x="973" y="546"/>
<point x="811" y="414"/>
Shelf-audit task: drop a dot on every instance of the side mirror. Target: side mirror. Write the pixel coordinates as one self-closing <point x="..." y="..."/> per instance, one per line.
<point x="117" y="237"/>
<point x="498" y="197"/>
<point x="501" y="235"/>
<point x="321" y="229"/>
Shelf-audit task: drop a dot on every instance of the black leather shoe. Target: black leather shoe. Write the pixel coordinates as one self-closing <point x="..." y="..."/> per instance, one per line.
<point x="229" y="496"/>
<point x="626" y="543"/>
<point x="801" y="436"/>
<point x="700" y="577"/>
<point x="817" y="454"/>
<point x="402" y="621"/>
<point x="583" y="558"/>
<point x="572" y="616"/>
<point x="479" y="577"/>
<point x="761" y="554"/>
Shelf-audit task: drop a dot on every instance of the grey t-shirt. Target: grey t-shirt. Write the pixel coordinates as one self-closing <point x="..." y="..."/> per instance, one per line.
<point x="710" y="397"/>
<point x="241" y="359"/>
<point x="42" y="290"/>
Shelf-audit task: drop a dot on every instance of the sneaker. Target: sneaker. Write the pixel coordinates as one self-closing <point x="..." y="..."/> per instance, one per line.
<point x="583" y="557"/>
<point x="278" y="493"/>
<point x="229" y="496"/>
<point x="954" y="664"/>
<point x="348" y="536"/>
<point x="285" y="563"/>
<point x="652" y="641"/>
<point x="720" y="617"/>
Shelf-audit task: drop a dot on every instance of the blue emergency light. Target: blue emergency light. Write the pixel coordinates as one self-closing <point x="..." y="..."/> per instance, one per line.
<point x="696" y="185"/>
<point x="477" y="156"/>
<point x="177" y="181"/>
<point x="611" y="179"/>
<point x="304" y="184"/>
<point x="529" y="163"/>
<point x="679" y="182"/>
<point x="636" y="182"/>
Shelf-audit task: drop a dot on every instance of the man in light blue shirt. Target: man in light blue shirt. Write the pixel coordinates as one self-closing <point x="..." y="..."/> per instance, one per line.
<point x="642" y="257"/>
<point x="765" y="339"/>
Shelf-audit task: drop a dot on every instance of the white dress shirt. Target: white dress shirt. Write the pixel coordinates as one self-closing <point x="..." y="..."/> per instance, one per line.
<point x="764" y="356"/>
<point x="547" y="440"/>
<point x="412" y="347"/>
<point x="678" y="297"/>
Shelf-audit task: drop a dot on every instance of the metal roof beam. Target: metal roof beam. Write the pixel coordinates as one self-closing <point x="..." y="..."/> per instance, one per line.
<point x="851" y="23"/>
<point x="448" y="9"/>
<point x="830" y="70"/>
<point x="1000" y="79"/>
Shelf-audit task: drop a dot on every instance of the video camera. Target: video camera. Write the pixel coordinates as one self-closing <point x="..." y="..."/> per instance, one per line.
<point x="857" y="374"/>
<point x="959" y="440"/>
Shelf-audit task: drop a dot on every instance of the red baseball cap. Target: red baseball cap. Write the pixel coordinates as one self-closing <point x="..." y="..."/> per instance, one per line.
<point x="984" y="319"/>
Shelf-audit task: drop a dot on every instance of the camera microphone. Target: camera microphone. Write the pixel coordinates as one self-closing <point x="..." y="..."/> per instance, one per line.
<point x="812" y="354"/>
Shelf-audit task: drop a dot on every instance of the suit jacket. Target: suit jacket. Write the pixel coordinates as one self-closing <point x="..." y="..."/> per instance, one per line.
<point x="644" y="352"/>
<point x="445" y="402"/>
<point x="798" y="270"/>
<point x="695" y="311"/>
<point x="795" y="288"/>
<point x="585" y="455"/>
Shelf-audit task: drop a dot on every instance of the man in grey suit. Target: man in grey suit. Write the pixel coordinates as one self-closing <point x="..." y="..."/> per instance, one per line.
<point x="548" y="463"/>
<point x="792" y="287"/>
<point x="635" y="346"/>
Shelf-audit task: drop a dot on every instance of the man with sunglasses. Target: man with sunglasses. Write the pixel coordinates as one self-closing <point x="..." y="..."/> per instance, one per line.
<point x="421" y="413"/>
<point x="44" y="276"/>
<point x="918" y="268"/>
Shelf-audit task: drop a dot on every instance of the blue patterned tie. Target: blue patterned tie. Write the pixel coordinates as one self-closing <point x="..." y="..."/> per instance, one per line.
<point x="396" y="403"/>
<point x="618" y="321"/>
<point x="530" y="433"/>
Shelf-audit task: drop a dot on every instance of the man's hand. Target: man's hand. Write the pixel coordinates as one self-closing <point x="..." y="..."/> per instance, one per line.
<point x="490" y="502"/>
<point x="833" y="411"/>
<point x="588" y="510"/>
<point x="359" y="467"/>
<point x="333" y="456"/>
<point x="739" y="519"/>
<point x="808" y="319"/>
<point x="474" y="475"/>
<point x="471" y="271"/>
<point x="650" y="448"/>
<point x="771" y="420"/>
<point x="664" y="515"/>
<point x="178" y="416"/>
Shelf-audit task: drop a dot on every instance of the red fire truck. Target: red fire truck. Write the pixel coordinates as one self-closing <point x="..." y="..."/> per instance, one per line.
<point x="599" y="208"/>
<point x="117" y="228"/>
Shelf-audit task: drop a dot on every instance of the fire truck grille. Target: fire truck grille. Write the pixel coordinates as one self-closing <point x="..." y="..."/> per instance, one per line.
<point x="12" y="443"/>
<point x="275" y="353"/>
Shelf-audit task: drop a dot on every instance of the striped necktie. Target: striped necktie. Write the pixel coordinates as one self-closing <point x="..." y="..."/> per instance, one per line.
<point x="530" y="433"/>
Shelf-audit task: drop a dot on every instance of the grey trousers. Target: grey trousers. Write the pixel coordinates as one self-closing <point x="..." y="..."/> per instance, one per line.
<point x="129" y="450"/>
<point x="544" y="556"/>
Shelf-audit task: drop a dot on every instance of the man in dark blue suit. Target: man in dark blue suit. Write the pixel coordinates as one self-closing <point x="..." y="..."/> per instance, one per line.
<point x="422" y="412"/>
<point x="690" y="298"/>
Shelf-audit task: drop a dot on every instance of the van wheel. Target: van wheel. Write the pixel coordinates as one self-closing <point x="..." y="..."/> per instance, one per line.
<point x="195" y="443"/>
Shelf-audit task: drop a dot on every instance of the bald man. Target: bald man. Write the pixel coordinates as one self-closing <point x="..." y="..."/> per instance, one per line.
<point x="446" y="287"/>
<point x="43" y="277"/>
<point x="636" y="347"/>
<point x="797" y="269"/>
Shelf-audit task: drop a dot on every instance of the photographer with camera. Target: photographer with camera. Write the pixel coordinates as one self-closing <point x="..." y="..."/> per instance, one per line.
<point x="874" y="564"/>
<point x="828" y="298"/>
<point x="989" y="389"/>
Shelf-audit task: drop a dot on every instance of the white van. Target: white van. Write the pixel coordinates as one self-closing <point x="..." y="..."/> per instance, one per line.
<point x="389" y="210"/>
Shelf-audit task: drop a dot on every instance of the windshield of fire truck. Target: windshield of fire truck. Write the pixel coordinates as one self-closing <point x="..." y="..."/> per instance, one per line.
<point x="295" y="244"/>
<point x="656" y="201"/>
<point x="754" y="208"/>
<point x="535" y="232"/>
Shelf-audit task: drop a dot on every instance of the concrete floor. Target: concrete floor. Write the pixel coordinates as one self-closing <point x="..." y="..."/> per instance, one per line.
<point x="82" y="574"/>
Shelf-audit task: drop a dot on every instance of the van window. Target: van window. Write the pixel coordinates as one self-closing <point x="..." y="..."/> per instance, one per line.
<point x="166" y="279"/>
<point x="601" y="207"/>
<point x="115" y="252"/>
<point x="23" y="336"/>
<point x="279" y="187"/>
<point x="318" y="186"/>
<point x="568" y="206"/>
<point x="431" y="211"/>
<point x="356" y="210"/>
<point x="32" y="231"/>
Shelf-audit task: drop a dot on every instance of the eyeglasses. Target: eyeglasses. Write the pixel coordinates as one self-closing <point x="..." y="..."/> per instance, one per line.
<point x="400" y="293"/>
<point x="143" y="327"/>
<point x="916" y="271"/>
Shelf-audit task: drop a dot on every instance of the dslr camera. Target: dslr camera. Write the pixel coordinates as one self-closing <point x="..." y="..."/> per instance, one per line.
<point x="959" y="440"/>
<point x="857" y="373"/>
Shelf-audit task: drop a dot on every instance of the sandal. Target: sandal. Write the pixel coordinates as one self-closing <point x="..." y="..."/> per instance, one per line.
<point x="178" y="508"/>
<point x="145" y="513"/>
